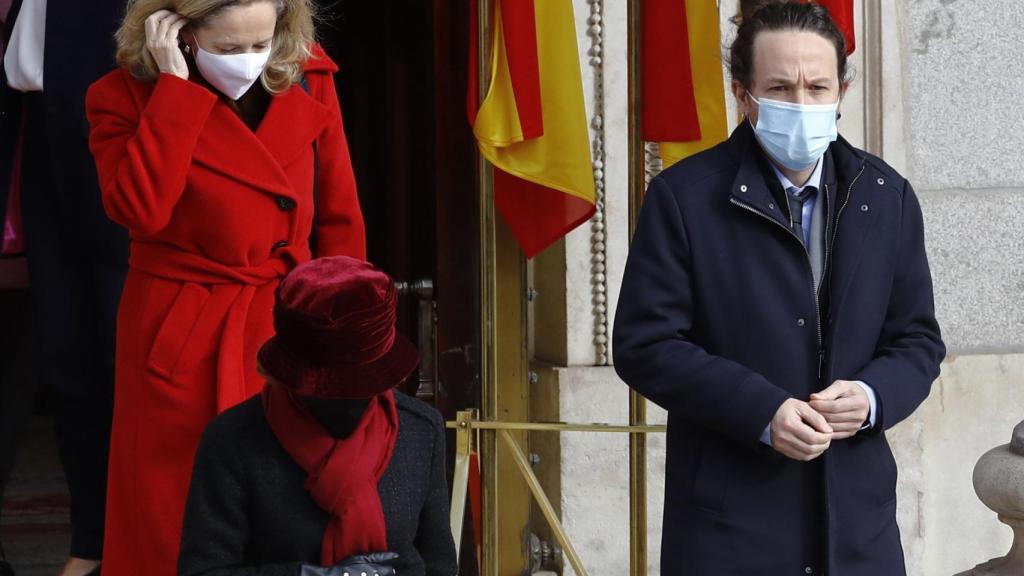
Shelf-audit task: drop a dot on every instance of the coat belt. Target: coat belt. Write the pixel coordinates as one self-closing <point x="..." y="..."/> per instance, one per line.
<point x="237" y="284"/>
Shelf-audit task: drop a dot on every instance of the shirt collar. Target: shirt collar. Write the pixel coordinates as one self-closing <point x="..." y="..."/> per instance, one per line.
<point x="814" y="181"/>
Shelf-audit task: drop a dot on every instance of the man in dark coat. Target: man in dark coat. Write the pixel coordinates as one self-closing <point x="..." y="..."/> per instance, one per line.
<point x="777" y="302"/>
<point x="328" y="472"/>
<point x="77" y="257"/>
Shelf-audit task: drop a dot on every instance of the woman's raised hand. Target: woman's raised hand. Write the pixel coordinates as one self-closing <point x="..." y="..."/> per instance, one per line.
<point x="162" y="41"/>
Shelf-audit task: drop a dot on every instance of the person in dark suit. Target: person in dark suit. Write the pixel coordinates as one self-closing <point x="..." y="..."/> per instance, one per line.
<point x="777" y="302"/>
<point x="329" y="471"/>
<point x="77" y="257"/>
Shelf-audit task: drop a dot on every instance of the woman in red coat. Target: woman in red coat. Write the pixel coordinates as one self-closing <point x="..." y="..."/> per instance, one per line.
<point x="207" y="140"/>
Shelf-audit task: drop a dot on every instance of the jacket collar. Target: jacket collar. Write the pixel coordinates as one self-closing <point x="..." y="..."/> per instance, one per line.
<point x="292" y="121"/>
<point x="845" y="183"/>
<point x="750" y="187"/>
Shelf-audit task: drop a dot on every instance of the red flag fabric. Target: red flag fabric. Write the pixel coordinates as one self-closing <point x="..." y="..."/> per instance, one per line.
<point x="842" y="13"/>
<point x="669" y="105"/>
<point x="537" y="215"/>
<point x="519" y="25"/>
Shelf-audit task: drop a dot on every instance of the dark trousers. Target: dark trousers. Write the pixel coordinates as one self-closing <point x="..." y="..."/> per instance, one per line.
<point x="77" y="261"/>
<point x="16" y="383"/>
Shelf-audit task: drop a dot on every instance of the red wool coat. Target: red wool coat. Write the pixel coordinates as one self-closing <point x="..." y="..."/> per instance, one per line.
<point x="217" y="214"/>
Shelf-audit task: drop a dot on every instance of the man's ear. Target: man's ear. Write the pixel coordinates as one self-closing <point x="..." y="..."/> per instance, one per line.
<point x="842" y="97"/>
<point x="739" y="91"/>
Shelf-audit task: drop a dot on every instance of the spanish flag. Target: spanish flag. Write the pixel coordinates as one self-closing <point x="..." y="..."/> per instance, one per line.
<point x="532" y="125"/>
<point x="683" y="86"/>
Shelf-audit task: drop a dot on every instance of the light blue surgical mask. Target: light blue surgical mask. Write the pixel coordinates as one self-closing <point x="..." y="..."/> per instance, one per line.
<point x="795" y="135"/>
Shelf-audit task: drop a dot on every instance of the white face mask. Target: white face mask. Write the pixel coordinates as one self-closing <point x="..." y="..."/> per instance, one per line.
<point x="232" y="74"/>
<point x="795" y="135"/>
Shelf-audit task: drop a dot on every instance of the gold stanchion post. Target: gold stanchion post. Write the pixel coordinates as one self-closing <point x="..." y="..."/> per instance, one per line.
<point x="637" y="403"/>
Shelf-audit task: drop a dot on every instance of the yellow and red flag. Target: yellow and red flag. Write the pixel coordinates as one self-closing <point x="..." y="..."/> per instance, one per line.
<point x="683" y="86"/>
<point x="532" y="125"/>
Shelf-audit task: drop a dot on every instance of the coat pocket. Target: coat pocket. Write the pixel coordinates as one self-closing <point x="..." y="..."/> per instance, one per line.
<point x="176" y="328"/>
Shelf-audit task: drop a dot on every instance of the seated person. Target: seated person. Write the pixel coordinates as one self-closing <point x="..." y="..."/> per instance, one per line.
<point x="329" y="464"/>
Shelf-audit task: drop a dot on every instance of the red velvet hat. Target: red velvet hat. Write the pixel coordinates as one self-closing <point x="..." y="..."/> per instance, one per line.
<point x="336" y="337"/>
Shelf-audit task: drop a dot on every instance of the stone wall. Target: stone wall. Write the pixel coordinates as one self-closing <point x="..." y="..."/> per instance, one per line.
<point x="952" y="143"/>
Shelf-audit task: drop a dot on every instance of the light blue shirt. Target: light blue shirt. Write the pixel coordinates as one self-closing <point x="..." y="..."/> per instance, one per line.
<point x="808" y="212"/>
<point x="792" y="189"/>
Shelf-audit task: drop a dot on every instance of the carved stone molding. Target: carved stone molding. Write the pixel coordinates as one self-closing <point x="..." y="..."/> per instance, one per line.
<point x="598" y="224"/>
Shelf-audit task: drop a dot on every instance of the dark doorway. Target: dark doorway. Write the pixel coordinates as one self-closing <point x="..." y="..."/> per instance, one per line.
<point x="402" y="86"/>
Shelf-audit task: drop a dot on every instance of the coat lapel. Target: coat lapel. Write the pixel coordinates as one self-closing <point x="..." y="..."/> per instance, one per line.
<point x="291" y="123"/>
<point x="749" y="189"/>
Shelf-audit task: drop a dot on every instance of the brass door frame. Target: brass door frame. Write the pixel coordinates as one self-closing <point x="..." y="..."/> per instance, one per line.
<point x="503" y="303"/>
<point x="637" y="403"/>
<point x="502" y="360"/>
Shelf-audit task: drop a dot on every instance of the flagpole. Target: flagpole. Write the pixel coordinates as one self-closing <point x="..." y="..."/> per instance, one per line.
<point x="637" y="403"/>
<point x="872" y="50"/>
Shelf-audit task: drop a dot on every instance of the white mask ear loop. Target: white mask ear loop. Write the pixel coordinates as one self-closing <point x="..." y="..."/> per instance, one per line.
<point x="756" y="101"/>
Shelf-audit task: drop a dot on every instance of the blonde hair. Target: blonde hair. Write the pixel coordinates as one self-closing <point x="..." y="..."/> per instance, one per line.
<point x="291" y="47"/>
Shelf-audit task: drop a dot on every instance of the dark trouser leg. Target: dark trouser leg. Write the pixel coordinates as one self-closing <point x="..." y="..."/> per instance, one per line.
<point x="102" y="254"/>
<point x="75" y="291"/>
<point x="17" y="382"/>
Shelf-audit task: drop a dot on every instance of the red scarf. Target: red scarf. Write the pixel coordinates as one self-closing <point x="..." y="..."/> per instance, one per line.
<point x="343" y="473"/>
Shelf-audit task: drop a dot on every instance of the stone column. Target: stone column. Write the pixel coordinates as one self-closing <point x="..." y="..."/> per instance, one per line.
<point x="999" y="482"/>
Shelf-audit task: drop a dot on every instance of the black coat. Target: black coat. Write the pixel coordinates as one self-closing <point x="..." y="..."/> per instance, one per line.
<point x="717" y="323"/>
<point x="249" y="514"/>
<point x="79" y="49"/>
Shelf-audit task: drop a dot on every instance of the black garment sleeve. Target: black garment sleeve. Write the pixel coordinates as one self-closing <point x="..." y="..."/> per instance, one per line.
<point x="653" y="352"/>
<point x="216" y="526"/>
<point x="434" y="534"/>
<point x="910" y="347"/>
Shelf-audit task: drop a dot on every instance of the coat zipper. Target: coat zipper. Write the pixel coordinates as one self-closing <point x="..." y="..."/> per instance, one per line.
<point x="835" y="232"/>
<point x="827" y="273"/>
<point x="827" y="276"/>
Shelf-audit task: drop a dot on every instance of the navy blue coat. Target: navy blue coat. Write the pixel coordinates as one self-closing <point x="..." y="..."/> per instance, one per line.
<point x="718" y="322"/>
